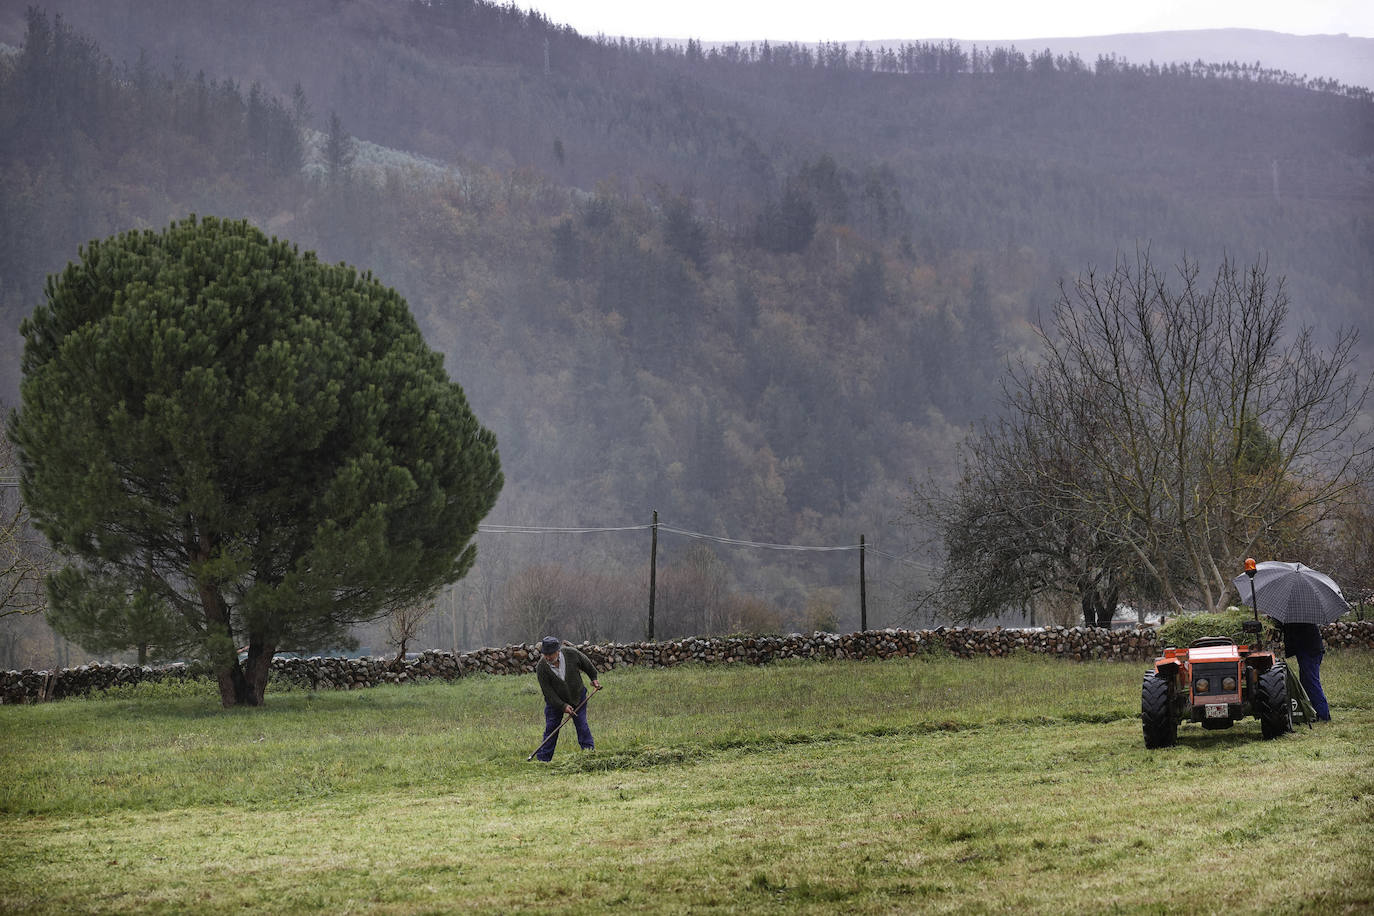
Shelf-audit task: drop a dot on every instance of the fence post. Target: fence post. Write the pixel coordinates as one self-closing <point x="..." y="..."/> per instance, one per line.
<point x="653" y="573"/>
<point x="863" y="589"/>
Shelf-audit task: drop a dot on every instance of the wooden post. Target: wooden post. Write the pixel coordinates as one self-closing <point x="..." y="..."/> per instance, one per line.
<point x="653" y="573"/>
<point x="863" y="589"/>
<point x="459" y="643"/>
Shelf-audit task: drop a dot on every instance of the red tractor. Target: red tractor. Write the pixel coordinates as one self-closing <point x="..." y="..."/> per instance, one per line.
<point x="1216" y="683"/>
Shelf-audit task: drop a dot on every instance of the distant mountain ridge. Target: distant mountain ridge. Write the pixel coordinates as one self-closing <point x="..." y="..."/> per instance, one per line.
<point x="1345" y="58"/>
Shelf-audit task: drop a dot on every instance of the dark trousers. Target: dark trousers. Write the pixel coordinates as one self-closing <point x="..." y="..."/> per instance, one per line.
<point x="1310" y="676"/>
<point x="553" y="715"/>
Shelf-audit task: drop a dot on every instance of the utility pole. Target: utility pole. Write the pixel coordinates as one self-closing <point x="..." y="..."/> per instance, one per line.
<point x="462" y="641"/>
<point x="653" y="573"/>
<point x="863" y="589"/>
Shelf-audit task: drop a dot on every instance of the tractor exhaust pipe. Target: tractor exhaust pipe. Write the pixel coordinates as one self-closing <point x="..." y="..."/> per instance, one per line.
<point x="1253" y="626"/>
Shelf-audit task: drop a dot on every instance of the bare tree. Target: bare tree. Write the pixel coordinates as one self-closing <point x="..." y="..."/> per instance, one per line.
<point x="1347" y="551"/>
<point x="531" y="606"/>
<point x="24" y="553"/>
<point x="1012" y="539"/>
<point x="547" y="598"/>
<point x="1170" y="429"/>
<point x="694" y="593"/>
<point x="403" y="624"/>
<point x="481" y="595"/>
<point x="1217" y="433"/>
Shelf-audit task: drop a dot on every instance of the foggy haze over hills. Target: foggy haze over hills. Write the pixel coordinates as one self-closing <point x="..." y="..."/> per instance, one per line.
<point x="758" y="292"/>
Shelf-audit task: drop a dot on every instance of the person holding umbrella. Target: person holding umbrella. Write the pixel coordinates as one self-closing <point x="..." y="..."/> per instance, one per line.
<point x="560" y="678"/>
<point x="1301" y="600"/>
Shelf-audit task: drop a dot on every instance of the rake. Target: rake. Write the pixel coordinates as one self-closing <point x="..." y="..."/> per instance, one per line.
<point x="566" y="718"/>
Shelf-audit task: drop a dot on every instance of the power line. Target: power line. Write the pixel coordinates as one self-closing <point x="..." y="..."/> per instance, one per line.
<point x="683" y="532"/>
<point x="734" y="542"/>
<point x="739" y="543"/>
<point x="539" y="529"/>
<point x="926" y="567"/>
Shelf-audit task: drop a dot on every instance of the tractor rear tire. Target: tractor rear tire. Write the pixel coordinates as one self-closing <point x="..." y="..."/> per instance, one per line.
<point x="1157" y="711"/>
<point x="1275" y="712"/>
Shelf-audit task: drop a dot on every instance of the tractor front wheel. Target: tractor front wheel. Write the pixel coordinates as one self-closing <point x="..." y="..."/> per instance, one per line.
<point x="1275" y="712"/>
<point x="1157" y="711"/>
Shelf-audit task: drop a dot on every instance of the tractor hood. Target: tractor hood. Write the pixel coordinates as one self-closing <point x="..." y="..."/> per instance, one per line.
<point x="1214" y="654"/>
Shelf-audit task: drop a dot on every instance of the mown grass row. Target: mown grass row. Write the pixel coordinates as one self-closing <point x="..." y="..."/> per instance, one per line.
<point x="912" y="785"/>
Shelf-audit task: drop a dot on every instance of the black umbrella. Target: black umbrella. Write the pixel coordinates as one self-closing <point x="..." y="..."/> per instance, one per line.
<point x="1292" y="593"/>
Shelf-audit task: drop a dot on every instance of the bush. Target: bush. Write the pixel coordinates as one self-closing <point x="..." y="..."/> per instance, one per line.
<point x="1181" y="631"/>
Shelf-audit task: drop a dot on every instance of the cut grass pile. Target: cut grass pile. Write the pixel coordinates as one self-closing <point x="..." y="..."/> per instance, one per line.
<point x="927" y="785"/>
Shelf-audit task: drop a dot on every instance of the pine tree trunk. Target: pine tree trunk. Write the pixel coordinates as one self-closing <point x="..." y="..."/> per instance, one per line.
<point x="228" y="677"/>
<point x="228" y="673"/>
<point x="245" y="683"/>
<point x="227" y="670"/>
<point x="258" y="665"/>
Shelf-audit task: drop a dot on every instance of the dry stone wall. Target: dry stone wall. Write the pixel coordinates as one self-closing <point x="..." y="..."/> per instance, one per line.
<point x="1071" y="643"/>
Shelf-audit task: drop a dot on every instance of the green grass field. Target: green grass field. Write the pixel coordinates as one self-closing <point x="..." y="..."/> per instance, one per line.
<point x="923" y="785"/>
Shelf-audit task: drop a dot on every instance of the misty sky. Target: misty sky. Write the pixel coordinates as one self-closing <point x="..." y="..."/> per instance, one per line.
<point x="981" y="20"/>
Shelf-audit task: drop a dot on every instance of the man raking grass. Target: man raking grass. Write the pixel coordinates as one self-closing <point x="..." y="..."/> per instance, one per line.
<point x="565" y="695"/>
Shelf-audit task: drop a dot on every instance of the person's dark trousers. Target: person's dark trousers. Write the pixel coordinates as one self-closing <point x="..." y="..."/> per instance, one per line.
<point x="1305" y="641"/>
<point x="1310" y="674"/>
<point x="552" y="716"/>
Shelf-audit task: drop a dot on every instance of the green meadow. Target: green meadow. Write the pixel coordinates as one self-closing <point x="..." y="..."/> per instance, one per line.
<point x="933" y="785"/>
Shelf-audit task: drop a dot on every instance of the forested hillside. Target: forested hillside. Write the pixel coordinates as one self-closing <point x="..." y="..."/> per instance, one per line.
<point x="757" y="289"/>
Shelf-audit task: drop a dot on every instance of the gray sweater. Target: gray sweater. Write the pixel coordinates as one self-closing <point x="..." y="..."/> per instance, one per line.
<point x="566" y="690"/>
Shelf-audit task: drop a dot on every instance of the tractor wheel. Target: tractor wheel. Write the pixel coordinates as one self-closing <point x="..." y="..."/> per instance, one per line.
<point x="1275" y="712"/>
<point x="1157" y="711"/>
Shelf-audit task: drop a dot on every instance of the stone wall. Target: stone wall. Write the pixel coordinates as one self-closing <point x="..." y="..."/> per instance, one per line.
<point x="1072" y="643"/>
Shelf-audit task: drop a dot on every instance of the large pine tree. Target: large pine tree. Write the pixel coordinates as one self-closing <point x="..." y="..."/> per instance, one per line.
<point x="259" y="443"/>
